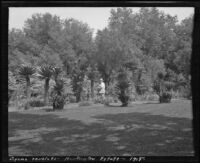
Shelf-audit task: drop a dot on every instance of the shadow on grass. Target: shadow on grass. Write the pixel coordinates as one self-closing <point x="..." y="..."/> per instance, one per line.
<point x="119" y="134"/>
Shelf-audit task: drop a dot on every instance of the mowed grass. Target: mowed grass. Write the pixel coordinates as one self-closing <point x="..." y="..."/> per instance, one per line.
<point x="140" y="129"/>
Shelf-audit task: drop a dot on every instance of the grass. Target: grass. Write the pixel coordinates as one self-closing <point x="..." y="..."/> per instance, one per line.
<point x="140" y="129"/>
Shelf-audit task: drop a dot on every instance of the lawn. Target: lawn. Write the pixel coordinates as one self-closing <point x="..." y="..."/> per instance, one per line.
<point x="148" y="129"/>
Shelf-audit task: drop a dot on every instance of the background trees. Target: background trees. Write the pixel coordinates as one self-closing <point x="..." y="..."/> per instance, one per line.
<point x="146" y="43"/>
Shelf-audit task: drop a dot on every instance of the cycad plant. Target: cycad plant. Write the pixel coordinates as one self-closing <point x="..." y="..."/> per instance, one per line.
<point x="163" y="88"/>
<point x="45" y="72"/>
<point x="58" y="95"/>
<point x="123" y="86"/>
<point x="26" y="72"/>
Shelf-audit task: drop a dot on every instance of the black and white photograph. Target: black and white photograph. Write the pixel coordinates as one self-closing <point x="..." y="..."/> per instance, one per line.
<point x="100" y="81"/>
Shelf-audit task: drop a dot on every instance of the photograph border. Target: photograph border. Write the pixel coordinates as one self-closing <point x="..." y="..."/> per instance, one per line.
<point x="195" y="63"/>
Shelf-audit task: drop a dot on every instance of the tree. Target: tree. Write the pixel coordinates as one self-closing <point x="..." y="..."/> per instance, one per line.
<point x="42" y="28"/>
<point x="45" y="72"/>
<point x="156" y="31"/>
<point x="77" y="75"/>
<point x="153" y="67"/>
<point x="81" y="46"/>
<point x="93" y="75"/>
<point x="184" y="49"/>
<point x="49" y="57"/>
<point x="26" y="71"/>
<point x="42" y="31"/>
<point x="118" y="44"/>
<point x="20" y="50"/>
<point x="106" y="61"/>
<point x="146" y="43"/>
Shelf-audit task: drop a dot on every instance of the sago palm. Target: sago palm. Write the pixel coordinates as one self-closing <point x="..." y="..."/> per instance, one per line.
<point x="45" y="72"/>
<point x="58" y="95"/>
<point x="123" y="86"/>
<point x="26" y="72"/>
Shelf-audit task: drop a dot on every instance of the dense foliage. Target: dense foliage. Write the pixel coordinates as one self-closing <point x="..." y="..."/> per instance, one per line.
<point x="146" y="44"/>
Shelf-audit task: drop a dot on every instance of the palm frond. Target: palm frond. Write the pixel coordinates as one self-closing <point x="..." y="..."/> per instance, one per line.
<point x="26" y="70"/>
<point x="45" y="71"/>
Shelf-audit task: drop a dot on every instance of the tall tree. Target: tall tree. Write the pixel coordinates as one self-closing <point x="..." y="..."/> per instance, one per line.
<point x="79" y="47"/>
<point x="184" y="46"/>
<point x="118" y="44"/>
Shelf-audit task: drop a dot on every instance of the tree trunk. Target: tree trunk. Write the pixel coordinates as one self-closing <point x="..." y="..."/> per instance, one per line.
<point x="46" y="91"/>
<point x="79" y="95"/>
<point x="92" y="89"/>
<point x="28" y="84"/>
<point x="28" y="93"/>
<point x="106" y="87"/>
<point x="161" y="92"/>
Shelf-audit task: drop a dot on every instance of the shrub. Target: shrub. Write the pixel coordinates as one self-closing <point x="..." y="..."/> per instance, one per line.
<point x="152" y="97"/>
<point x="165" y="97"/>
<point x="97" y="99"/>
<point x="36" y="103"/>
<point x="111" y="92"/>
<point x="28" y="104"/>
<point x="20" y="104"/>
<point x="108" y="100"/>
<point x="132" y="97"/>
<point x="72" y="99"/>
<point x="85" y="103"/>
<point x="175" y="94"/>
<point x="140" y="97"/>
<point x="23" y="104"/>
<point x="115" y="100"/>
<point x="185" y="92"/>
